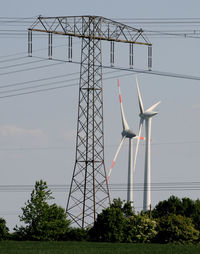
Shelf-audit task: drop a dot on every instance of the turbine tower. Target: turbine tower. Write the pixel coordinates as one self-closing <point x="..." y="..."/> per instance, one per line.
<point x="126" y="133"/>
<point x="147" y="117"/>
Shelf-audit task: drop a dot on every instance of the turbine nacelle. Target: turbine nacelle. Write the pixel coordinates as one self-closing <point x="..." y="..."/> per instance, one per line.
<point x="148" y="114"/>
<point x="128" y="133"/>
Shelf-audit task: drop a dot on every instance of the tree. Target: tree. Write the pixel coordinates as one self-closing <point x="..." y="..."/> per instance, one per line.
<point x="119" y="223"/>
<point x="185" y="207"/>
<point x="140" y="229"/>
<point x="3" y="229"/>
<point x="109" y="224"/>
<point x="171" y="206"/>
<point x="176" y="229"/>
<point x="42" y="221"/>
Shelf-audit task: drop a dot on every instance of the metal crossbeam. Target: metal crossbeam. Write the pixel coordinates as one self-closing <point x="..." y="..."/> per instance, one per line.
<point x="104" y="29"/>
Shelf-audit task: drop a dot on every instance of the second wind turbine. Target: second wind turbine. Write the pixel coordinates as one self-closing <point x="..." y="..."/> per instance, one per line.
<point x="126" y="133"/>
<point x="146" y="115"/>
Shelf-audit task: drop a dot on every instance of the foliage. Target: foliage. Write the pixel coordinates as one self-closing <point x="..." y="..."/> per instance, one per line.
<point x="171" y="206"/>
<point x="140" y="229"/>
<point x="109" y="224"/>
<point x="185" y="207"/>
<point x="77" y="234"/>
<point x="119" y="223"/>
<point x="176" y="229"/>
<point x="42" y="221"/>
<point x="3" y="229"/>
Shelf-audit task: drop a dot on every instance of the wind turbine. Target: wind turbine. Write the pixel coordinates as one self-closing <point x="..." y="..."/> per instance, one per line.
<point x="146" y="115"/>
<point x="126" y="133"/>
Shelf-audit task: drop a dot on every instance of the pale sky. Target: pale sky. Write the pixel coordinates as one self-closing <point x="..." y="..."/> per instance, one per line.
<point x="38" y="131"/>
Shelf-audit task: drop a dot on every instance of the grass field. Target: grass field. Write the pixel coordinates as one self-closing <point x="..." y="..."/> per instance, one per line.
<point x="11" y="247"/>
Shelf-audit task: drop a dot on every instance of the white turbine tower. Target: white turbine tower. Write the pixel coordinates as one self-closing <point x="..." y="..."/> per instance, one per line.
<point x="147" y="117"/>
<point x="126" y="133"/>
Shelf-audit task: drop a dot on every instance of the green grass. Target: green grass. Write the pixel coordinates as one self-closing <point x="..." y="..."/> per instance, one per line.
<point x="11" y="247"/>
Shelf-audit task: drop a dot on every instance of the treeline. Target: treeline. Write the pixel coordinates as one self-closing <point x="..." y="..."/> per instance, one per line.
<point x="171" y="221"/>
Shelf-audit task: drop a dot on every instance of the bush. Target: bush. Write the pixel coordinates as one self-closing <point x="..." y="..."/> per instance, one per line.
<point x="3" y="230"/>
<point x="140" y="229"/>
<point x="185" y="207"/>
<point x="176" y="229"/>
<point x="77" y="234"/>
<point x="118" y="223"/>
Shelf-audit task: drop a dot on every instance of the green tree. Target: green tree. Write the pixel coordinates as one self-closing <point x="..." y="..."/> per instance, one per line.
<point x="140" y="229"/>
<point x="119" y="223"/>
<point x="109" y="224"/>
<point x="171" y="206"/>
<point x="3" y="229"/>
<point x="185" y="207"/>
<point x="176" y="229"/>
<point x="42" y="221"/>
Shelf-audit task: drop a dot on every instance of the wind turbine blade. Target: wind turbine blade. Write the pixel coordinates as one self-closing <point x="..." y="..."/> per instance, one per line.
<point x="153" y="107"/>
<point x="124" y="122"/>
<point x="137" y="145"/>
<point x="139" y="97"/>
<point x="118" y="149"/>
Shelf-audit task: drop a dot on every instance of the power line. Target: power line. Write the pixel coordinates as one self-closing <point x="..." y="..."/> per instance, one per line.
<point x="13" y="59"/>
<point x="159" y="186"/>
<point x="38" y="80"/>
<point x="52" y="148"/>
<point x="42" y="85"/>
<point x="143" y="71"/>
<point x="49" y="78"/>
<point x="30" y="69"/>
<point x="20" y="64"/>
<point x="39" y="91"/>
<point x="133" y="71"/>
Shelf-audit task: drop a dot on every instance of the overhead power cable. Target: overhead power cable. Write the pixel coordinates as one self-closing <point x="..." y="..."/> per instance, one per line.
<point x="43" y="90"/>
<point x="132" y="72"/>
<point x="13" y="59"/>
<point x="20" y="64"/>
<point x="53" y="148"/>
<point x="143" y="71"/>
<point x="38" y="80"/>
<point x="30" y="69"/>
<point x="159" y="186"/>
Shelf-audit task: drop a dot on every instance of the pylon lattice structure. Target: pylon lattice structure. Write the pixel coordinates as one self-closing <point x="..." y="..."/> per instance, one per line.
<point x="89" y="192"/>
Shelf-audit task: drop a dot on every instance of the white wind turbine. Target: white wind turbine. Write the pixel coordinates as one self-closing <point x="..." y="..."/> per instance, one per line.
<point x="147" y="117"/>
<point x="126" y="133"/>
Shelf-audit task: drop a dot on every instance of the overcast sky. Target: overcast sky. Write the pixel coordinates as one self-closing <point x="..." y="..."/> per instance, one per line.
<point x="38" y="131"/>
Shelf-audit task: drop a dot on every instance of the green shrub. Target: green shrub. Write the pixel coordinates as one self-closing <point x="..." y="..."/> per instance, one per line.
<point x="3" y="230"/>
<point x="176" y="229"/>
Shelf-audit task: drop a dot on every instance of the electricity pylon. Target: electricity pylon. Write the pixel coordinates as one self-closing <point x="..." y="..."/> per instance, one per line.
<point x="89" y="192"/>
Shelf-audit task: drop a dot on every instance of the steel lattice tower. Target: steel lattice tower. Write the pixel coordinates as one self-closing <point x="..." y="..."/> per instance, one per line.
<point x="89" y="192"/>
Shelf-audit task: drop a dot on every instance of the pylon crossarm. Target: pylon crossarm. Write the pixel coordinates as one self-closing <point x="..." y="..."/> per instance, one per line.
<point x="104" y="29"/>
